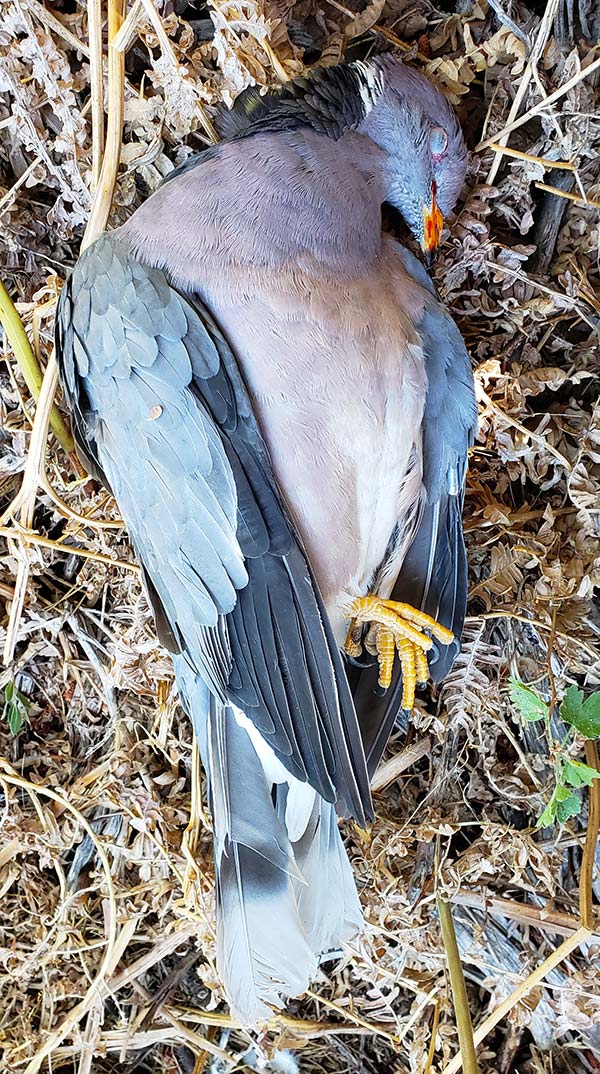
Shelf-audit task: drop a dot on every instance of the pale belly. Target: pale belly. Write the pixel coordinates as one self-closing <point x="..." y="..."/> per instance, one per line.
<point x="338" y="384"/>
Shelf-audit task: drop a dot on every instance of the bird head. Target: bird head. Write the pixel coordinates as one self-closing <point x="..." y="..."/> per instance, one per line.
<point x="418" y="129"/>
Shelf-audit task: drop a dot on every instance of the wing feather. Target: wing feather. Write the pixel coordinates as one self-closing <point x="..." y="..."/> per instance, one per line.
<point x="433" y="575"/>
<point x="162" y="415"/>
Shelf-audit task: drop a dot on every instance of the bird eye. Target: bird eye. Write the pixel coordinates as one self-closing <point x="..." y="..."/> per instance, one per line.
<point x="438" y="142"/>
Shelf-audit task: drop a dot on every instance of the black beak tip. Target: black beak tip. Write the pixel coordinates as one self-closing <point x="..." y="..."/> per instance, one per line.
<point x="430" y="258"/>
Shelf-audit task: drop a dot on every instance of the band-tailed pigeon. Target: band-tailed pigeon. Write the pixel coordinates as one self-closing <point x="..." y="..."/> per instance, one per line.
<point x="282" y="409"/>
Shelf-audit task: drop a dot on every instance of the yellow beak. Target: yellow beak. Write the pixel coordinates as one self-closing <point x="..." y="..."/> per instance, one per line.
<point x="433" y="222"/>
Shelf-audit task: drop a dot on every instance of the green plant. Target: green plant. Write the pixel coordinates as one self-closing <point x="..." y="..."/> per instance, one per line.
<point x="16" y="708"/>
<point x="581" y="715"/>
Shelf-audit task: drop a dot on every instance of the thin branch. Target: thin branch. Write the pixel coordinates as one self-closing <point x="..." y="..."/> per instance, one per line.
<point x="161" y="34"/>
<point x="353" y="1017"/>
<point x="71" y="550"/>
<point x="34" y="465"/>
<point x="537" y="623"/>
<point x="377" y="28"/>
<point x="517" y="275"/>
<point x="464" y="1025"/>
<point x="491" y="405"/>
<point x="390" y="770"/>
<point x="586" y="908"/>
<point x="168" y="51"/>
<point x="110" y="163"/>
<point x="546" y="162"/>
<point x="68" y="512"/>
<point x="129" y="27"/>
<point x="52" y="22"/>
<point x="434" y="1029"/>
<point x="560" y="92"/>
<point x="11" y="194"/>
<point x="94" y="12"/>
<point x="506" y="20"/>
<point x="529" y="72"/>
<point x="588" y="203"/>
<point x="537" y="917"/>
<point x="521" y="992"/>
<point x="194" y="1040"/>
<point x="27" y="495"/>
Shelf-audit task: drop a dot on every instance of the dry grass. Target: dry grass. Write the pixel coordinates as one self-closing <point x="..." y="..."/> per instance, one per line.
<point x="106" y="880"/>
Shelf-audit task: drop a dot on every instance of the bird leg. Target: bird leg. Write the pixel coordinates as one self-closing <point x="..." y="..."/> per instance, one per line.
<point x="394" y="627"/>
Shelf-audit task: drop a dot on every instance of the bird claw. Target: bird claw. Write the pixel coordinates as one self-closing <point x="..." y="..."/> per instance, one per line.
<point x="394" y="628"/>
<point x="361" y="661"/>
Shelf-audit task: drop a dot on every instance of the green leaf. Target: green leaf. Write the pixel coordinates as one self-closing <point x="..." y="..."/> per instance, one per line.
<point x="14" y="719"/>
<point x="530" y="705"/>
<point x="571" y="705"/>
<point x="562" y="805"/>
<point x="584" y="716"/>
<point x="569" y="807"/>
<point x="16" y="708"/>
<point x="578" y="774"/>
<point x="548" y="816"/>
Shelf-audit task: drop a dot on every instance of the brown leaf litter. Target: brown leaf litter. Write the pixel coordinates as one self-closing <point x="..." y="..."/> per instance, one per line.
<point x="105" y="854"/>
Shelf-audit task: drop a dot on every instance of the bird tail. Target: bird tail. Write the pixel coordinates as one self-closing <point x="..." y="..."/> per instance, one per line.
<point x="284" y="888"/>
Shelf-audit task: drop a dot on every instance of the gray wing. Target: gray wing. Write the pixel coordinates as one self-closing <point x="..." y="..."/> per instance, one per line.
<point x="434" y="572"/>
<point x="161" y="412"/>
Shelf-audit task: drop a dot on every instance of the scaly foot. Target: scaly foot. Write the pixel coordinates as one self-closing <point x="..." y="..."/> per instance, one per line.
<point x="394" y="626"/>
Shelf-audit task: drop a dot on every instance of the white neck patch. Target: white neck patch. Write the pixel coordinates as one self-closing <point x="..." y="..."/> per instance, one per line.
<point x="370" y="80"/>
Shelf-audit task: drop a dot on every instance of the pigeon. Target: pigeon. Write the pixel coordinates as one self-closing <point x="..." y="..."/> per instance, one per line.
<point x="282" y="409"/>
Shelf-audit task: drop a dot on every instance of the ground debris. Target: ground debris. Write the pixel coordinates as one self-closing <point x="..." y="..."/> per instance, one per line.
<point x="113" y="875"/>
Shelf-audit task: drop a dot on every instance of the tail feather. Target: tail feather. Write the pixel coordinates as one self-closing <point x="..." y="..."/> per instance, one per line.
<point x="285" y="892"/>
<point x="327" y="899"/>
<point x="262" y="952"/>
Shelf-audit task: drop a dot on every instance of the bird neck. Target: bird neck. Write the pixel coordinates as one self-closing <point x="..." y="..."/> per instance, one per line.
<point x="272" y="202"/>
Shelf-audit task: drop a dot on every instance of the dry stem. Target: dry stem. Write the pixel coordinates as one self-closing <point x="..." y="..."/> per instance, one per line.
<point x="521" y="991"/>
<point x="354" y="1018"/>
<point x="491" y="405"/>
<point x="26" y="498"/>
<point x="31" y="537"/>
<point x="10" y="778"/>
<point x="588" y="203"/>
<point x="546" y="162"/>
<point x="530" y="71"/>
<point x="459" y="989"/>
<point x="28" y="364"/>
<point x="94" y="9"/>
<point x="110" y="163"/>
<point x="538" y="917"/>
<point x="35" y="459"/>
<point x="391" y="769"/>
<point x="581" y="934"/>
<point x="586" y="908"/>
<point x="560" y="92"/>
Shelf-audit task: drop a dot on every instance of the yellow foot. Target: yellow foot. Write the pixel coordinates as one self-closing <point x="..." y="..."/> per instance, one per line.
<point x="394" y="626"/>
